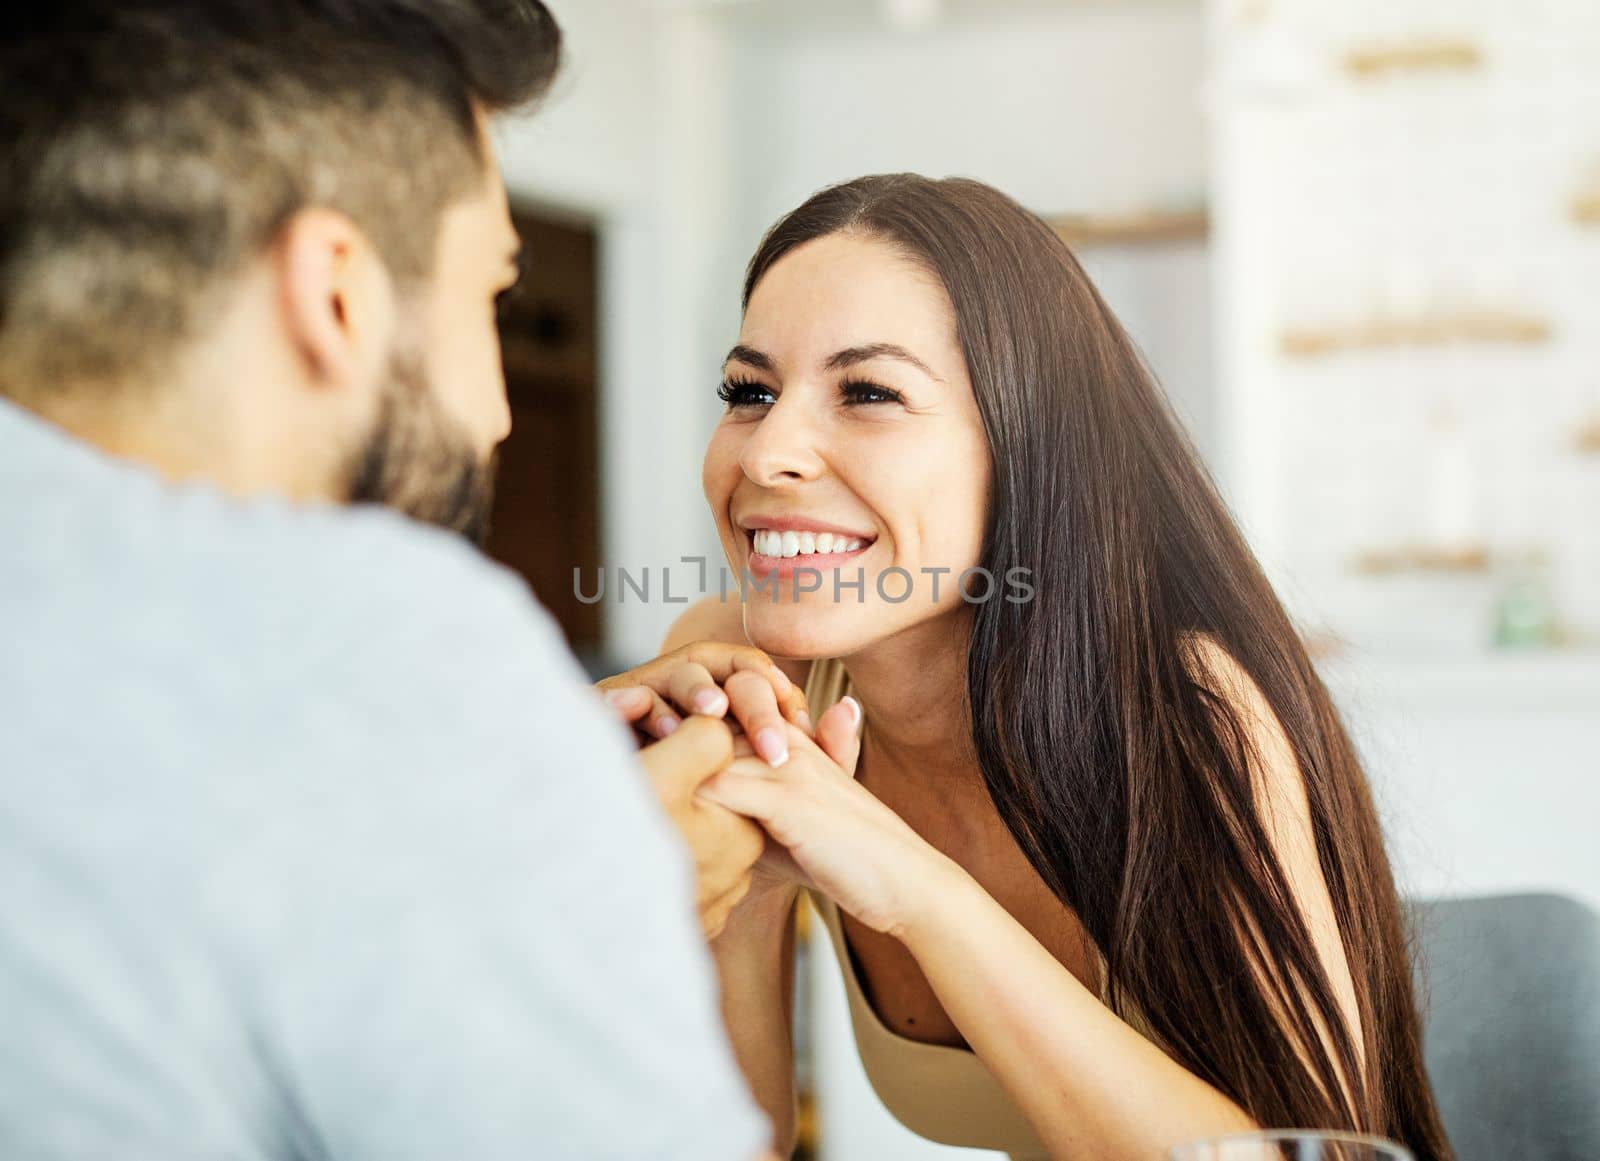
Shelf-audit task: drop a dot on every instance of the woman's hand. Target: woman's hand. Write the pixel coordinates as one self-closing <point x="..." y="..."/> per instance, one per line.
<point x="831" y="834"/>
<point x="714" y="678"/>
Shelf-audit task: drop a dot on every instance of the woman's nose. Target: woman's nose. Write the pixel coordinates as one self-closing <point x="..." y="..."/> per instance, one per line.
<point x="782" y="448"/>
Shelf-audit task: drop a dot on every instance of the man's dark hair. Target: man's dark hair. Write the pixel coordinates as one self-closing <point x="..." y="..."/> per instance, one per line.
<point x="150" y="148"/>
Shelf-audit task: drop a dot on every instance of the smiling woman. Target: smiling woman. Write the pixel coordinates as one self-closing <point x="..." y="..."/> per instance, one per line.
<point x="859" y="421"/>
<point x="1101" y="865"/>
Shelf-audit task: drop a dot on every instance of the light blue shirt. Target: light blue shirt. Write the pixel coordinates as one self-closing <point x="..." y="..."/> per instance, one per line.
<point x="314" y="843"/>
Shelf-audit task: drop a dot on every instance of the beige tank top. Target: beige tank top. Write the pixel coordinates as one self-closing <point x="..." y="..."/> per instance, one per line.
<point x="944" y="1094"/>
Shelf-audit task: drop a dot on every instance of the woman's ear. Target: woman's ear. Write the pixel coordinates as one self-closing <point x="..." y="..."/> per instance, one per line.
<point x="336" y="299"/>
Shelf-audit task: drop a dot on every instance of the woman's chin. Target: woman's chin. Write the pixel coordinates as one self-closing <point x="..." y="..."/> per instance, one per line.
<point x="803" y="633"/>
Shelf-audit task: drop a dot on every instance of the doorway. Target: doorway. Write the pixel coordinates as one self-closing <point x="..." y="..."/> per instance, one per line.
<point x="545" y="522"/>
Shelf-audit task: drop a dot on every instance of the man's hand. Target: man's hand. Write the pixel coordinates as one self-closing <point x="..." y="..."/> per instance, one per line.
<point x="724" y="845"/>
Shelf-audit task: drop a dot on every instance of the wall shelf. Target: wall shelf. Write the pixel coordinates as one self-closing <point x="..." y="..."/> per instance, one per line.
<point x="1142" y="228"/>
<point x="1467" y="559"/>
<point x="1435" y="331"/>
<point x="1442" y="54"/>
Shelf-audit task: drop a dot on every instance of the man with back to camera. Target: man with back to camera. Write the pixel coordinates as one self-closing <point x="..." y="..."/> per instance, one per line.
<point x="313" y="841"/>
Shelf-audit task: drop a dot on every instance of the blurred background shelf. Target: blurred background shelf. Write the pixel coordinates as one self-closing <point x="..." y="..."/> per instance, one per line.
<point x="1476" y="327"/>
<point x="1144" y="228"/>
<point x="1421" y="558"/>
<point x="1415" y="55"/>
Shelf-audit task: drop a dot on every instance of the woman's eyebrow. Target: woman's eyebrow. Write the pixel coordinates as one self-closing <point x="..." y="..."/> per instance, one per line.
<point x="850" y="356"/>
<point x="838" y="361"/>
<point x="751" y="357"/>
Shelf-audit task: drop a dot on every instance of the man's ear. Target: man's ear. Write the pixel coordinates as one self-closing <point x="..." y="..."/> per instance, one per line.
<point x="336" y="297"/>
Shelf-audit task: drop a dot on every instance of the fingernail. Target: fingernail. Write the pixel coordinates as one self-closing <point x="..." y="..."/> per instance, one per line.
<point x="617" y="696"/>
<point x="773" y="746"/>
<point x="709" y="701"/>
<point x="665" y="725"/>
<point x="855" y="708"/>
<point x="803" y="720"/>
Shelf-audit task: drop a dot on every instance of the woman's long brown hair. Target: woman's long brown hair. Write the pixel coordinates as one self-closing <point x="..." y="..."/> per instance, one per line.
<point x="1122" y="772"/>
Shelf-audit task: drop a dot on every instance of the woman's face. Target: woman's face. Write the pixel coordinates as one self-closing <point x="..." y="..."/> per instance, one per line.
<point x="851" y="446"/>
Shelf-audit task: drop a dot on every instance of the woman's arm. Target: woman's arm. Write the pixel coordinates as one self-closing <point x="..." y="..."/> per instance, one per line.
<point x="1090" y="1084"/>
<point x="1028" y="1017"/>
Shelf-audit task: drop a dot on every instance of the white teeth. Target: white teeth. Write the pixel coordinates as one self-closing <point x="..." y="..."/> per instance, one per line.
<point x="771" y="542"/>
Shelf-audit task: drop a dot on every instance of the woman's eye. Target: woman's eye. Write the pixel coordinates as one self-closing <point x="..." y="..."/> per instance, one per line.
<point x="863" y="392"/>
<point x="740" y="393"/>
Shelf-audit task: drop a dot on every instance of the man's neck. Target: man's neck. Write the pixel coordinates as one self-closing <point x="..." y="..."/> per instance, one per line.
<point x="180" y="438"/>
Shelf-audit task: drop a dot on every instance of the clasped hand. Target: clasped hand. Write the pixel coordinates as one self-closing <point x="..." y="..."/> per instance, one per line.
<point x="775" y="805"/>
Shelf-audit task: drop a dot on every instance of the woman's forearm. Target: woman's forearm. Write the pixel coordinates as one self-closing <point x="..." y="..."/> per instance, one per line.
<point x="1089" y="1084"/>
<point x="755" y="962"/>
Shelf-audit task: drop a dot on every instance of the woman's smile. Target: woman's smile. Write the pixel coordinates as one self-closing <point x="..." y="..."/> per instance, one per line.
<point x="785" y="544"/>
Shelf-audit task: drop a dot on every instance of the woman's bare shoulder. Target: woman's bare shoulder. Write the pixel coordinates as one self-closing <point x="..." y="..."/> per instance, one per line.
<point x="713" y="619"/>
<point x="1213" y="666"/>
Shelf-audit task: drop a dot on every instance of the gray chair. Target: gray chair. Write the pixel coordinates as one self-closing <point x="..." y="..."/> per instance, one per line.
<point x="1511" y="992"/>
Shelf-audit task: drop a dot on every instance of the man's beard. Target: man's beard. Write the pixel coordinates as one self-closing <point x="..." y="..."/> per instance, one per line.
<point x="417" y="460"/>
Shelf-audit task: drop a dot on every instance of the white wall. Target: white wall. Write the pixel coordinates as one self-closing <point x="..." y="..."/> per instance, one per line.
<point x="1487" y="775"/>
<point x="1162" y="295"/>
<point x="1044" y="104"/>
<point x="589" y="145"/>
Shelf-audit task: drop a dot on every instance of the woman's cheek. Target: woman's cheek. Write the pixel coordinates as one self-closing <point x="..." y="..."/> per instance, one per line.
<point x="719" y="472"/>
